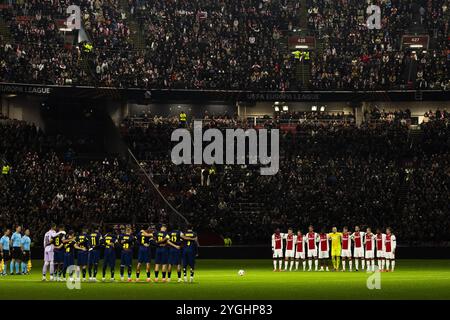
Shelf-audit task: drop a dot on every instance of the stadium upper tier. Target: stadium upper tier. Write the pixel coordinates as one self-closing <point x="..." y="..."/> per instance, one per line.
<point x="218" y="44"/>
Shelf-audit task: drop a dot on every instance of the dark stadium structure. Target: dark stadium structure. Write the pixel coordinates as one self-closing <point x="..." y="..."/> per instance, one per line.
<point x="363" y="117"/>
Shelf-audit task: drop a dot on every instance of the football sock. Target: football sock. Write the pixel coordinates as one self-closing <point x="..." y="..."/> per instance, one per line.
<point x="363" y="264"/>
<point x="387" y="264"/>
<point x="393" y="265"/>
<point x="129" y="271"/>
<point x="343" y="265"/>
<point x="281" y="264"/>
<point x="95" y="270"/>
<point x="137" y="274"/>
<point x="292" y="264"/>
<point x="157" y="274"/>
<point x="169" y="274"/>
<point x="357" y="264"/>
<point x="274" y="264"/>
<point x="310" y="264"/>
<point x="163" y="274"/>
<point x="148" y="274"/>
<point x="84" y="273"/>
<point x="112" y="274"/>
<point x="90" y="271"/>
<point x="373" y="265"/>
<point x="179" y="274"/>
<point x="122" y="271"/>
<point x="11" y="267"/>
<point x="52" y="268"/>
<point x="296" y="265"/>
<point x="316" y="263"/>
<point x="350" y="265"/>
<point x="44" y="268"/>
<point x="304" y="265"/>
<point x="286" y="263"/>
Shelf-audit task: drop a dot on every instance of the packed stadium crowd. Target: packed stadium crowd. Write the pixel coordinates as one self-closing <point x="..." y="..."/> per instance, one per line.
<point x="213" y="44"/>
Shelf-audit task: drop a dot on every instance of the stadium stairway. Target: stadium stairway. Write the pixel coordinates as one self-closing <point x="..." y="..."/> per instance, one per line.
<point x="136" y="35"/>
<point x="415" y="136"/>
<point x="303" y="73"/>
<point x="4" y="31"/>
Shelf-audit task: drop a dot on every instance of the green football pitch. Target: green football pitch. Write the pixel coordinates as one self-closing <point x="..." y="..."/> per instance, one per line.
<point x="219" y="279"/>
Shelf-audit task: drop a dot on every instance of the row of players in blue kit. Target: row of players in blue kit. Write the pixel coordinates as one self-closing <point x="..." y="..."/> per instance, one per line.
<point x="175" y="249"/>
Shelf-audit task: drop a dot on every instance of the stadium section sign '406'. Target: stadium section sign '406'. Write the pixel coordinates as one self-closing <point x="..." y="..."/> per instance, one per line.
<point x="11" y="88"/>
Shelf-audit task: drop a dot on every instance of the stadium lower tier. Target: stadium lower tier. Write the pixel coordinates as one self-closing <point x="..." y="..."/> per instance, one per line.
<point x="219" y="279"/>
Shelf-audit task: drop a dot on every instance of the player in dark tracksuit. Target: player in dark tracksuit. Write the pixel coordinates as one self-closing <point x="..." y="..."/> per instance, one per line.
<point x="189" y="252"/>
<point x="109" y="258"/>
<point x="126" y="241"/>
<point x="58" y="258"/>
<point x="175" y="254"/>
<point x="95" y="239"/>
<point x="162" y="241"/>
<point x="145" y="240"/>
<point x="82" y="256"/>
<point x="69" y="253"/>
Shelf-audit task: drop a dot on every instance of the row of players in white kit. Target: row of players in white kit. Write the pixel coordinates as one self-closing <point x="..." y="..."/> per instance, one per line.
<point x="318" y="249"/>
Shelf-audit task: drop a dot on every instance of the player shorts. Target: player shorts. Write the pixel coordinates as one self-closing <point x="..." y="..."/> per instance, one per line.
<point x="358" y="253"/>
<point x="16" y="253"/>
<point x="174" y="256"/>
<point x="289" y="254"/>
<point x="389" y="255"/>
<point x="59" y="256"/>
<point x="69" y="260"/>
<point x="312" y="253"/>
<point x="109" y="258"/>
<point x="82" y="258"/>
<point x="380" y="254"/>
<point x="48" y="256"/>
<point x="126" y="258"/>
<point x="300" y="255"/>
<point x="6" y="256"/>
<point x="324" y="255"/>
<point x="94" y="257"/>
<point x="161" y="255"/>
<point x="336" y="252"/>
<point x="370" y="254"/>
<point x="346" y="253"/>
<point x="144" y="255"/>
<point x="25" y="256"/>
<point x="188" y="258"/>
<point x="277" y="253"/>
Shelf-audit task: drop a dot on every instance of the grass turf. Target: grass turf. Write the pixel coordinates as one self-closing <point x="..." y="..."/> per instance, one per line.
<point x="218" y="279"/>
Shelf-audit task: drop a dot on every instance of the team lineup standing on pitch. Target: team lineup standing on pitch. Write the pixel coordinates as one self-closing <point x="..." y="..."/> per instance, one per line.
<point x="315" y="247"/>
<point x="174" y="249"/>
